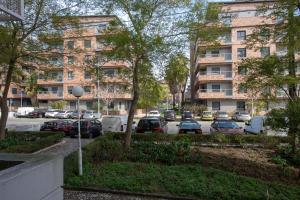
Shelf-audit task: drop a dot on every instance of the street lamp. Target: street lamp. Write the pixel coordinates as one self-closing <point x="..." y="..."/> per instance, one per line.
<point x="98" y="87"/>
<point x="78" y="92"/>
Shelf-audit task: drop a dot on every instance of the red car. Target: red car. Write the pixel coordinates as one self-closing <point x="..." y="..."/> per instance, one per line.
<point x="58" y="125"/>
<point x="227" y="127"/>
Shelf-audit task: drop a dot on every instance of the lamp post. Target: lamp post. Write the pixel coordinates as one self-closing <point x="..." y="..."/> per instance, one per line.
<point x="78" y="92"/>
<point x="98" y="87"/>
<point x="21" y="98"/>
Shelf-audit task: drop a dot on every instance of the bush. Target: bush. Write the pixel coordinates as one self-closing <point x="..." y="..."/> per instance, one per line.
<point x="287" y="153"/>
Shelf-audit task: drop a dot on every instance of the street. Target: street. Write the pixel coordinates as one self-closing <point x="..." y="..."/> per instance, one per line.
<point x="27" y="124"/>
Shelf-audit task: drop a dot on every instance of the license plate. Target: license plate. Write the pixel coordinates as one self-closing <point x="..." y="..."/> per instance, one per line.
<point x="148" y="132"/>
<point x="190" y="132"/>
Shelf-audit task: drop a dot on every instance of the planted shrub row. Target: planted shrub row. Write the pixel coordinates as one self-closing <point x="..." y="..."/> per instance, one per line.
<point x="266" y="141"/>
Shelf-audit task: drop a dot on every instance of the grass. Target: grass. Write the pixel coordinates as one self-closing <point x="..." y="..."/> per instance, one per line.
<point x="182" y="180"/>
<point x="28" y="142"/>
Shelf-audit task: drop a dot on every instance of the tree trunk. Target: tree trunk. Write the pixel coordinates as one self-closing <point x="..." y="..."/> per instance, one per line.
<point x="134" y="102"/>
<point x="3" y="119"/>
<point x="174" y="101"/>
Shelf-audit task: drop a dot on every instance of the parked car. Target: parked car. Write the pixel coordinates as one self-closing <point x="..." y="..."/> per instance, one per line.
<point x="170" y="115"/>
<point x="257" y="125"/>
<point x="23" y="111"/>
<point x="154" y="113"/>
<point x="89" y="128"/>
<point x="207" y="115"/>
<point x="57" y="125"/>
<point x="220" y="115"/>
<point x="187" y="115"/>
<point x="88" y="114"/>
<point x="114" y="123"/>
<point x="64" y="114"/>
<point x="37" y="113"/>
<point x="226" y="127"/>
<point x="152" y="125"/>
<point x="74" y="115"/>
<point x="189" y="126"/>
<point x="241" y="116"/>
<point x="51" y="113"/>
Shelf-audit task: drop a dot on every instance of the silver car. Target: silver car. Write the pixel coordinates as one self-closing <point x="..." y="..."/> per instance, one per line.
<point x="220" y="115"/>
<point x="64" y="114"/>
<point x="89" y="114"/>
<point x="51" y="113"/>
<point x="241" y="116"/>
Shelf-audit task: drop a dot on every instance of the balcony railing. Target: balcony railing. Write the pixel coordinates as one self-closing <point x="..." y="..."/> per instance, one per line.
<point x="50" y="94"/>
<point x="214" y="93"/>
<point x="213" y="58"/>
<point x="215" y="75"/>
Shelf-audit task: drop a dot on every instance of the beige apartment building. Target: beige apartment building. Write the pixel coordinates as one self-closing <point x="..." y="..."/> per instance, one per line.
<point x="216" y="76"/>
<point x="71" y="65"/>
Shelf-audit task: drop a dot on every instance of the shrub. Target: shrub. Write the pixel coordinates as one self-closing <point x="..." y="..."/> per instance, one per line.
<point x="287" y="153"/>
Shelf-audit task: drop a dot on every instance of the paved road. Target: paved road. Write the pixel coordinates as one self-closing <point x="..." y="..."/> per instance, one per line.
<point x="21" y="124"/>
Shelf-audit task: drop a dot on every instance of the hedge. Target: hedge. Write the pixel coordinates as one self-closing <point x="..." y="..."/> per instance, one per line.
<point x="266" y="141"/>
<point x="29" y="142"/>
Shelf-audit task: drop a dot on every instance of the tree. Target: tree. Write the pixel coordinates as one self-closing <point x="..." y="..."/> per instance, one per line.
<point x="19" y="39"/>
<point x="277" y="72"/>
<point x="108" y="95"/>
<point x="177" y="72"/>
<point x="32" y="88"/>
<point x="152" y="93"/>
<point x="139" y="40"/>
<point x="61" y="104"/>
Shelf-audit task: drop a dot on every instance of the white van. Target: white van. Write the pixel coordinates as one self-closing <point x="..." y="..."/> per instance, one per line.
<point x="257" y="126"/>
<point x="23" y="111"/>
<point x="114" y="123"/>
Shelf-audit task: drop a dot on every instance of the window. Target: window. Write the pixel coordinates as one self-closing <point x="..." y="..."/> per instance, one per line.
<point x="111" y="88"/>
<point x="14" y="90"/>
<point x="215" y="88"/>
<point x="87" y="44"/>
<point x="101" y="27"/>
<point x="89" y="105"/>
<point x="265" y="51"/>
<point x="265" y="34"/>
<point x="215" y="70"/>
<point x="70" y="88"/>
<point x="242" y="70"/>
<point x="241" y="53"/>
<point x="241" y="105"/>
<point x="241" y="35"/>
<point x="87" y="59"/>
<point x="111" y="105"/>
<point x="87" y="89"/>
<point x="242" y="90"/>
<point x="215" y="53"/>
<point x="87" y="75"/>
<point x="70" y="75"/>
<point x="70" y="44"/>
<point x="216" y="105"/>
<point x="70" y="60"/>
<point x="109" y="72"/>
<point x="54" y="90"/>
<point x="226" y="20"/>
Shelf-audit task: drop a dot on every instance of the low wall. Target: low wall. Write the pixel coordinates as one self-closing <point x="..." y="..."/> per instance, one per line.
<point x="37" y="178"/>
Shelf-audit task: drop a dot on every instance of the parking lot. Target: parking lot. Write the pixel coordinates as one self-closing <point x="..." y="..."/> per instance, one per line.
<point x="27" y="124"/>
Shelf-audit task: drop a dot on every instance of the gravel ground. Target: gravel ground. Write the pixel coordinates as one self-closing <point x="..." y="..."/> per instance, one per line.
<point x="80" y="195"/>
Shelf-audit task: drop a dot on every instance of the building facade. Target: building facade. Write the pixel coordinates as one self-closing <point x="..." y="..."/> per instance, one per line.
<point x="216" y="76"/>
<point x="71" y="65"/>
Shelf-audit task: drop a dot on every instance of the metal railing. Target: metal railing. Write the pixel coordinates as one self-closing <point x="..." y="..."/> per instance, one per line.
<point x="226" y="56"/>
<point x="227" y="74"/>
<point x="57" y="93"/>
<point x="227" y="92"/>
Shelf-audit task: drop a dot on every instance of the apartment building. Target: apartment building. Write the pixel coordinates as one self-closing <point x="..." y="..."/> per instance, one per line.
<point x="71" y="65"/>
<point x="217" y="77"/>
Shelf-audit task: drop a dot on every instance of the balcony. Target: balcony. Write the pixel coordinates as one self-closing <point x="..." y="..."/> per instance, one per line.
<point x="57" y="80"/>
<point x="50" y="95"/>
<point x="214" y="76"/>
<point x="224" y="40"/>
<point x="215" y="58"/>
<point x="214" y="93"/>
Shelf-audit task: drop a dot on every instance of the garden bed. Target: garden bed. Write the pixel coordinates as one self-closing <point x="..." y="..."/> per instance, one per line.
<point x="178" y="168"/>
<point x="29" y="142"/>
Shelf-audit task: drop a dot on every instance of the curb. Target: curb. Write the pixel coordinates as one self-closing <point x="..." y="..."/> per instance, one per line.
<point x="122" y="192"/>
<point x="47" y="148"/>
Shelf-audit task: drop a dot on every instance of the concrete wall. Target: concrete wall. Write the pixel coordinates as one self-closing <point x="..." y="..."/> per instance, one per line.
<point x="38" y="178"/>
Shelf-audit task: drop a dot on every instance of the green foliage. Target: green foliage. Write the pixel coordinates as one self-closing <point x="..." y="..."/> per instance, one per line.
<point x="197" y="109"/>
<point x="152" y="93"/>
<point x="287" y="154"/>
<point x="183" y="180"/>
<point x="61" y="104"/>
<point x="28" y="142"/>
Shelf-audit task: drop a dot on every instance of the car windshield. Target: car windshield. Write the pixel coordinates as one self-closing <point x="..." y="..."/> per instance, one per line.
<point x="207" y="113"/>
<point x="88" y="112"/>
<point x="189" y="125"/>
<point x="222" y="113"/>
<point x="244" y="113"/>
<point x="169" y="112"/>
<point x="227" y="124"/>
<point x="61" y="111"/>
<point x="153" y="112"/>
<point x="189" y="114"/>
<point x="149" y="123"/>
